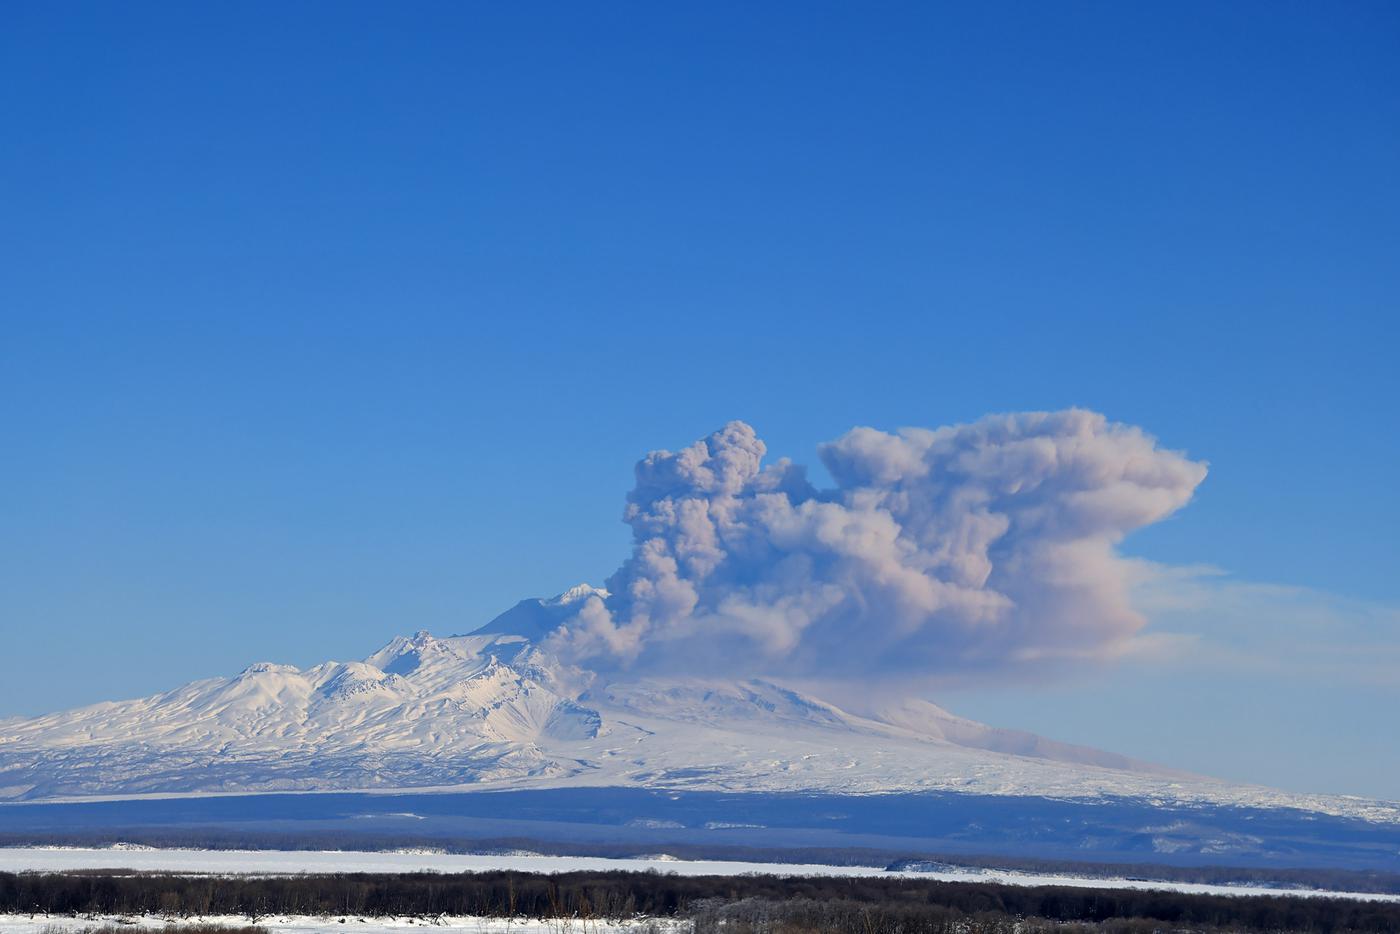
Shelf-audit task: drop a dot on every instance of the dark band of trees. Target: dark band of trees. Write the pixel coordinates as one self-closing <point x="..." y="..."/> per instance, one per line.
<point x="770" y="903"/>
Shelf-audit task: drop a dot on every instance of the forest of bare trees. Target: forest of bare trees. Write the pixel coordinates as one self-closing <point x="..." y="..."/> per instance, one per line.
<point x="755" y="903"/>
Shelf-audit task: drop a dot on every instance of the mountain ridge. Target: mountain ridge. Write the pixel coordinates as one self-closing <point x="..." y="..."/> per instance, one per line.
<point x="490" y="710"/>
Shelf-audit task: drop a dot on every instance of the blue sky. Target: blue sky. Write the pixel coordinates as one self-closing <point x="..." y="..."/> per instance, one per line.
<point x="326" y="322"/>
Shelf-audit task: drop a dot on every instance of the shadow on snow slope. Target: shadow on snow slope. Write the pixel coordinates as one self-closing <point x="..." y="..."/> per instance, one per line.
<point x="1108" y="830"/>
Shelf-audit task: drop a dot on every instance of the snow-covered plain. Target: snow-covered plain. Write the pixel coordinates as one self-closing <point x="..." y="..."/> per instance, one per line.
<point x="39" y="924"/>
<point x="280" y="862"/>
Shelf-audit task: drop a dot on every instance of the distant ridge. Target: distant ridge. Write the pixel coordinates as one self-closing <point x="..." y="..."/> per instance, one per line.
<point x="490" y="710"/>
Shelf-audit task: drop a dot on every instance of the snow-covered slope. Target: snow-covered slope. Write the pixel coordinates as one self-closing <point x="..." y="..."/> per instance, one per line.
<point x="487" y="710"/>
<point x="536" y="618"/>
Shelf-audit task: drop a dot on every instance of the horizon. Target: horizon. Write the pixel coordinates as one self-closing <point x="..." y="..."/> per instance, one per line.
<point x="322" y="328"/>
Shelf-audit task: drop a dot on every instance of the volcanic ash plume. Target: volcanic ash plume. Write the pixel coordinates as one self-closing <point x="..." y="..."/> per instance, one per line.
<point x="975" y="548"/>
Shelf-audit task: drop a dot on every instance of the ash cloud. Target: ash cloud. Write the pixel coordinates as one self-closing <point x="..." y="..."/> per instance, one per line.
<point x="978" y="548"/>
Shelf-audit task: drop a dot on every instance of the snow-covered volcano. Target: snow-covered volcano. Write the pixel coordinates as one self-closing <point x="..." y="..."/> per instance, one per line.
<point x="489" y="710"/>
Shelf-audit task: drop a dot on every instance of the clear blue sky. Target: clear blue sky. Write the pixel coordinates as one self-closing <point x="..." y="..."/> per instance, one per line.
<point x="326" y="322"/>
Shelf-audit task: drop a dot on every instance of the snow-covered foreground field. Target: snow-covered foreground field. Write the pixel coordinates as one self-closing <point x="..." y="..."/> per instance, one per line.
<point x="24" y="924"/>
<point x="280" y="862"/>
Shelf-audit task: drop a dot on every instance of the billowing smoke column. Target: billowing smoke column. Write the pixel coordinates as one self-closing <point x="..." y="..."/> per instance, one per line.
<point x="979" y="547"/>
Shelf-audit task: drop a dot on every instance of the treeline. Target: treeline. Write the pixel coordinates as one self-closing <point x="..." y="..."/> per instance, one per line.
<point x="875" y="905"/>
<point x="1345" y="880"/>
<point x="805" y="916"/>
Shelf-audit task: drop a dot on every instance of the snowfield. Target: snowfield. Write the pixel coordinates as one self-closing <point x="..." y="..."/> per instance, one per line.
<point x="38" y="924"/>
<point x="279" y="862"/>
